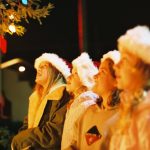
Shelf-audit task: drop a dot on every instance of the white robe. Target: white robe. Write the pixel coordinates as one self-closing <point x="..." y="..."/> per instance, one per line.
<point x="74" y="113"/>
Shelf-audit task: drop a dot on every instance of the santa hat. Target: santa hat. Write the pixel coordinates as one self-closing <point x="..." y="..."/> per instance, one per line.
<point x="56" y="61"/>
<point x="85" y="69"/>
<point x="113" y="55"/>
<point x="137" y="42"/>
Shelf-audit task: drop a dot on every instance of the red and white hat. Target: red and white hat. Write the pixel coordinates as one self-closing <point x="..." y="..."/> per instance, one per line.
<point x="137" y="42"/>
<point x="85" y="69"/>
<point x="113" y="55"/>
<point x="56" y="61"/>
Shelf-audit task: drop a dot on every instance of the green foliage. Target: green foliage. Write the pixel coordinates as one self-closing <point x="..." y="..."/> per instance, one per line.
<point x="4" y="137"/>
<point x="14" y="12"/>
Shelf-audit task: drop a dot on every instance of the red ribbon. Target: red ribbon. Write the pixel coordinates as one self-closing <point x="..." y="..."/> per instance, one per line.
<point x="3" y="44"/>
<point x="80" y="25"/>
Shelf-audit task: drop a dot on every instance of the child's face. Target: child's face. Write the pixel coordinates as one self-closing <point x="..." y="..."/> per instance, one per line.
<point x="127" y="75"/>
<point x="104" y="81"/>
<point x="73" y="82"/>
<point x="42" y="73"/>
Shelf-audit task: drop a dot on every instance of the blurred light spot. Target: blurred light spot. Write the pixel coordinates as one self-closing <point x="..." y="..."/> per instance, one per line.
<point x="12" y="28"/>
<point x="11" y="17"/>
<point x="21" y="68"/>
<point x="25" y="2"/>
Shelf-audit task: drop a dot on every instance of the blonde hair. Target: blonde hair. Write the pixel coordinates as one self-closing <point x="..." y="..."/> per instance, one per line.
<point x="53" y="76"/>
<point x="130" y="99"/>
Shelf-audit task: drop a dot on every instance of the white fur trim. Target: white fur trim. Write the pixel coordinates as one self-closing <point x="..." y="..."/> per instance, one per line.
<point x="113" y="55"/>
<point x="86" y="96"/>
<point x="85" y="69"/>
<point x="137" y="42"/>
<point x="56" y="61"/>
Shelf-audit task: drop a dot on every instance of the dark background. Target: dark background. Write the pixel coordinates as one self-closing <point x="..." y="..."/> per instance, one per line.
<point x="106" y="20"/>
<point x="58" y="34"/>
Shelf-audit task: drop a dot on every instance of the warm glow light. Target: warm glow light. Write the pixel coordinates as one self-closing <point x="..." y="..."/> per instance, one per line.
<point x="21" y="68"/>
<point x="12" y="28"/>
<point x="11" y="17"/>
<point x="10" y="63"/>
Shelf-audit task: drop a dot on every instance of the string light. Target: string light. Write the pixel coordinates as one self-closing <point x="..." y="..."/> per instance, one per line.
<point x="11" y="17"/>
<point x="12" y="28"/>
<point x="18" y="10"/>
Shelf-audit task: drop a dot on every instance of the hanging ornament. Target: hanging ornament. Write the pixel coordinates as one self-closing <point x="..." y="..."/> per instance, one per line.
<point x="24" y="2"/>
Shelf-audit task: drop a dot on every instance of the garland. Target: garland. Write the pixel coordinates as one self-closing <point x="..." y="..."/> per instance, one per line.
<point x="13" y="12"/>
